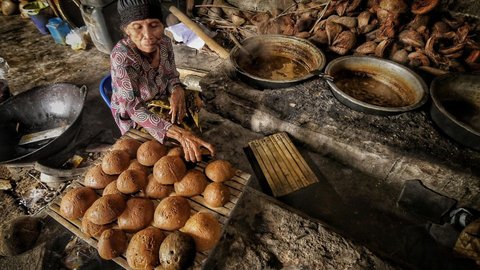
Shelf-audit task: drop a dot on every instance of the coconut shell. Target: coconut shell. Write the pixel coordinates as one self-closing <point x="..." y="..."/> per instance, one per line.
<point x="19" y="235"/>
<point x="135" y="165"/>
<point x="171" y="213"/>
<point x="131" y="181"/>
<point x="216" y="194"/>
<point x="176" y="151"/>
<point x="115" y="162"/>
<point x="155" y="190"/>
<point x="143" y="249"/>
<point x="112" y="243"/>
<point x="205" y="229"/>
<point x="129" y="145"/>
<point x="169" y="169"/>
<point x="150" y="152"/>
<point x="111" y="189"/>
<point x="106" y="209"/>
<point x="93" y="230"/>
<point x="137" y="215"/>
<point x="76" y="201"/>
<point x="219" y="170"/>
<point x="192" y="184"/>
<point x="177" y="251"/>
<point x="97" y="179"/>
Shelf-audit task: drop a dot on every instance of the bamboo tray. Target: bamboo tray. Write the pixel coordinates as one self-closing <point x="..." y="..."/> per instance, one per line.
<point x="282" y="164"/>
<point x="236" y="186"/>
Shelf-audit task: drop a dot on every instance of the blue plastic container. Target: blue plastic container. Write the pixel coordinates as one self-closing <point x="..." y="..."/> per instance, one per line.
<point x="58" y="29"/>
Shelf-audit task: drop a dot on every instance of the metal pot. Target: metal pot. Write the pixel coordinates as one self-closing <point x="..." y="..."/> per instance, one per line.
<point x="375" y="85"/>
<point x="456" y="107"/>
<point x="41" y="108"/>
<point x="276" y="61"/>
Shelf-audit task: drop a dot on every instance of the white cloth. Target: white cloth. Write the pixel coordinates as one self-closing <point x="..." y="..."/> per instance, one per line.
<point x="181" y="33"/>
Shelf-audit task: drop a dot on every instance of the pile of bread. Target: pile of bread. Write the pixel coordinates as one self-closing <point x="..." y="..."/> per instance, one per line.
<point x="134" y="176"/>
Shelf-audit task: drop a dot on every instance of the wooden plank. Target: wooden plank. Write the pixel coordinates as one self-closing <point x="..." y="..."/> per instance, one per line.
<point x="290" y="161"/>
<point x="283" y="163"/>
<point x="139" y="135"/>
<point x="265" y="167"/>
<point x="281" y="181"/>
<point x="300" y="160"/>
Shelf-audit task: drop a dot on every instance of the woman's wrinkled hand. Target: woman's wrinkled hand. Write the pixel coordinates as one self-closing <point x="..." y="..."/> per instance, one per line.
<point x="178" y="108"/>
<point x="191" y="144"/>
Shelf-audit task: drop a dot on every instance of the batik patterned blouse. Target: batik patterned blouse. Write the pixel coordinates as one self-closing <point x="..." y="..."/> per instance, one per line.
<point x="135" y="82"/>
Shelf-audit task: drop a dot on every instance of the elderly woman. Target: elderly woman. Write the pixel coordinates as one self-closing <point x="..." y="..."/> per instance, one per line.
<point x="143" y="69"/>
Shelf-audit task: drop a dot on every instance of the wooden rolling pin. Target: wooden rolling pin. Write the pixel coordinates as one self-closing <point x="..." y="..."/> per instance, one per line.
<point x="212" y="44"/>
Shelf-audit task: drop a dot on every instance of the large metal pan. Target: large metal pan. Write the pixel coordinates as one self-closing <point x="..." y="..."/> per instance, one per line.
<point x="376" y="86"/>
<point x="39" y="109"/>
<point x="456" y="107"/>
<point x="276" y="61"/>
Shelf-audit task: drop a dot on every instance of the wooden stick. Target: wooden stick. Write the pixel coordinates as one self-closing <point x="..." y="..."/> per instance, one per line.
<point x="222" y="52"/>
<point x="217" y="6"/>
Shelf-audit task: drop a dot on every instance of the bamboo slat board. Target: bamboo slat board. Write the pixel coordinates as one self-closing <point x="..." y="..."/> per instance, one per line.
<point x="236" y="186"/>
<point x="284" y="168"/>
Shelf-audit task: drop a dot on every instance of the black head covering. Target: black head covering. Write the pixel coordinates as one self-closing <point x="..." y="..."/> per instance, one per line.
<point x="134" y="10"/>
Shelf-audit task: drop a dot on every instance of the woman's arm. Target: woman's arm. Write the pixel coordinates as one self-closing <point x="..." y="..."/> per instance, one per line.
<point x="174" y="86"/>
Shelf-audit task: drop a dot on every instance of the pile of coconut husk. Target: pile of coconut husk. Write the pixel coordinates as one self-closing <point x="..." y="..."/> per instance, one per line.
<point x="416" y="33"/>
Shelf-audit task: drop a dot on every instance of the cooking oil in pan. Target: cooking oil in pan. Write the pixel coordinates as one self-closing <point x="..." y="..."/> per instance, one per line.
<point x="274" y="67"/>
<point x="373" y="89"/>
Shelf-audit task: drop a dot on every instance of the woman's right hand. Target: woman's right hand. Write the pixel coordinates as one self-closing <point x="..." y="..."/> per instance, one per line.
<point x="191" y="144"/>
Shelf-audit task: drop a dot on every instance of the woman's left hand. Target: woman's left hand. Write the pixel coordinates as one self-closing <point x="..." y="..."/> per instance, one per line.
<point x="191" y="144"/>
<point x="178" y="108"/>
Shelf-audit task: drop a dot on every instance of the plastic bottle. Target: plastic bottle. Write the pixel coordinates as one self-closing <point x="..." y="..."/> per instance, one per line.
<point x="4" y="90"/>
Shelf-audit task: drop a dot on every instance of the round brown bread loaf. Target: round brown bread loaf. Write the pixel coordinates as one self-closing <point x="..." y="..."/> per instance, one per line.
<point x="129" y="145"/>
<point x="156" y="190"/>
<point x="219" y="170"/>
<point x="150" y="152"/>
<point x="143" y="249"/>
<point x="135" y="165"/>
<point x="131" y="181"/>
<point x="115" y="162"/>
<point x="96" y="178"/>
<point x="106" y="209"/>
<point x="205" y="229"/>
<point x="192" y="184"/>
<point x="169" y="169"/>
<point x="112" y="243"/>
<point x="76" y="201"/>
<point x="176" y="151"/>
<point x="177" y="251"/>
<point x="137" y="215"/>
<point x="92" y="229"/>
<point x="216" y="194"/>
<point x="111" y="189"/>
<point x="171" y="213"/>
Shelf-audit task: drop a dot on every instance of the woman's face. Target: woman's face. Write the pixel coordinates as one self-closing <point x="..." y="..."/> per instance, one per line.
<point x="145" y="34"/>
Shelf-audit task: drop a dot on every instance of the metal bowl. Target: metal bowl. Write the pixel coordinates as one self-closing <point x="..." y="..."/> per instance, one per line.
<point x="276" y="61"/>
<point x="456" y="107"/>
<point x="376" y="86"/>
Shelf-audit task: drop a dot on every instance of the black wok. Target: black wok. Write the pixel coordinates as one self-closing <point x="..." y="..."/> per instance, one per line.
<point x="39" y="109"/>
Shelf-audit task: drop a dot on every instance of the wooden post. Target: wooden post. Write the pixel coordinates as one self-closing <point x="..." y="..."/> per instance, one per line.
<point x="222" y="52"/>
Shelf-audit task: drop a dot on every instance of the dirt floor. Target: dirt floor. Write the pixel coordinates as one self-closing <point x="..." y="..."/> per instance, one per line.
<point x="263" y="233"/>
